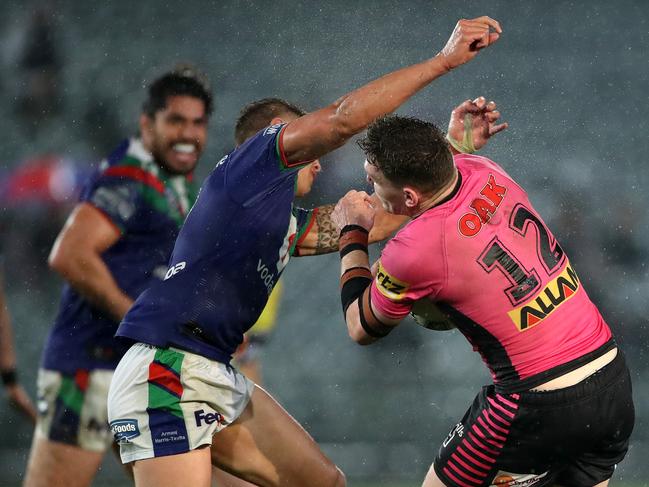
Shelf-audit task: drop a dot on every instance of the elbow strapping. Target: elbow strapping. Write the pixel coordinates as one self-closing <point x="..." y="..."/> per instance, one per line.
<point x="359" y="336"/>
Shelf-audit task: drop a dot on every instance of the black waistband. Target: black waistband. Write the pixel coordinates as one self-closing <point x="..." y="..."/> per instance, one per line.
<point x="592" y="384"/>
<point x="538" y="379"/>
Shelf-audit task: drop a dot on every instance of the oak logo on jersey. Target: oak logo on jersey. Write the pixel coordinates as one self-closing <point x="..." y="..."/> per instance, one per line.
<point x="557" y="292"/>
<point x="390" y="286"/>
<point x="482" y="208"/>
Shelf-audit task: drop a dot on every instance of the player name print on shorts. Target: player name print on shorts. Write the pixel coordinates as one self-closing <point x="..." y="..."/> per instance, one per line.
<point x="124" y="430"/>
<point x="171" y="436"/>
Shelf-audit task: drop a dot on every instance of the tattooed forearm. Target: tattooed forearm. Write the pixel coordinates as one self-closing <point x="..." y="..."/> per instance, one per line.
<point x="327" y="231"/>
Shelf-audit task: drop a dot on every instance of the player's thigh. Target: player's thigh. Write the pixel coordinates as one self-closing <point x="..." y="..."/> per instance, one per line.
<point x="190" y="468"/>
<point x="53" y="464"/>
<point x="221" y="478"/>
<point x="267" y="447"/>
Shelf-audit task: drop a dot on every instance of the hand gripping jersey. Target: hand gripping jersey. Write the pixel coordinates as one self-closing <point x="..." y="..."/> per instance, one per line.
<point x="147" y="206"/>
<point x="234" y="245"/>
<point x="490" y="264"/>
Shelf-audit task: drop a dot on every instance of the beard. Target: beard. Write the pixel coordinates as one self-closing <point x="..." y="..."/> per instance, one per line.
<point x="166" y="157"/>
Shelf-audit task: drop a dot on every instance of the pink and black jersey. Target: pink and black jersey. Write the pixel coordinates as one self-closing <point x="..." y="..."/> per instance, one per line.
<point x="491" y="265"/>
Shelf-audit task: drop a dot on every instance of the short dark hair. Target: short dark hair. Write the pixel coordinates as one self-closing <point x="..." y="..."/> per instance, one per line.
<point x="409" y="151"/>
<point x="258" y="114"/>
<point x="183" y="80"/>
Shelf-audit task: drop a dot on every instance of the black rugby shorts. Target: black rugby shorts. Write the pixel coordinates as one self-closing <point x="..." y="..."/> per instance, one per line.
<point x="572" y="437"/>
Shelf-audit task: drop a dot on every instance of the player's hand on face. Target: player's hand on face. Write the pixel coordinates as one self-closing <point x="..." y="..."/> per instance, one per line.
<point x="355" y="208"/>
<point x="19" y="399"/>
<point x="469" y="37"/>
<point x="483" y="119"/>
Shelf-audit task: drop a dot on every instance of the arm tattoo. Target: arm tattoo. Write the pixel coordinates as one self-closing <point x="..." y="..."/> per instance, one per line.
<point x="327" y="231"/>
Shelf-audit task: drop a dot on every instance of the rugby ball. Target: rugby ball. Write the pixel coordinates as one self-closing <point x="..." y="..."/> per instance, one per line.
<point x="427" y="314"/>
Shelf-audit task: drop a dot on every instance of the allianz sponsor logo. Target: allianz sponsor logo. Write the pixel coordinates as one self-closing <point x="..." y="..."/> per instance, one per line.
<point x="124" y="430"/>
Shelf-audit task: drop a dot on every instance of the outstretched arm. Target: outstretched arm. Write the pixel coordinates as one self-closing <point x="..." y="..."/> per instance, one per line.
<point x="322" y="131"/>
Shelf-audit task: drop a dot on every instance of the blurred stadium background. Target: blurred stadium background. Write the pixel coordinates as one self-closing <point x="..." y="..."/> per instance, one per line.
<point x="571" y="78"/>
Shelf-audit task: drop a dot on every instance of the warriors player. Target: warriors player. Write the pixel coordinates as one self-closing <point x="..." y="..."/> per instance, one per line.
<point x="560" y="409"/>
<point x="175" y="389"/>
<point x="115" y="243"/>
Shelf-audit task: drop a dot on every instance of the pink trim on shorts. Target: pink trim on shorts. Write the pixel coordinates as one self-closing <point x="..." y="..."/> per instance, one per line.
<point x="465" y="475"/>
<point x="504" y="431"/>
<point x="500" y="408"/>
<point x="457" y="458"/>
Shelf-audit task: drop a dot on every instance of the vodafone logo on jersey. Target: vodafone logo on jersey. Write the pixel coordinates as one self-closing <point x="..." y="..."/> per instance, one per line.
<point x="483" y="208"/>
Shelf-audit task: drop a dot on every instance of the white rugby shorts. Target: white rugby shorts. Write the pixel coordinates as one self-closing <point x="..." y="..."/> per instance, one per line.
<point x="72" y="408"/>
<point x="169" y="401"/>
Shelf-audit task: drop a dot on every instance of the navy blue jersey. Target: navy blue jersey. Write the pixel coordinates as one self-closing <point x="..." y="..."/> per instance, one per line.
<point x="147" y="206"/>
<point x="233" y="247"/>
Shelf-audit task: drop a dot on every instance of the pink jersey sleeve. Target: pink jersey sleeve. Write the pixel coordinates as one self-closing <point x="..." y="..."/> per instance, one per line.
<point x="410" y="268"/>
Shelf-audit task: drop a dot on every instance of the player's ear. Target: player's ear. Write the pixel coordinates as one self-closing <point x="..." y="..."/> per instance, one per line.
<point x="276" y="120"/>
<point x="410" y="197"/>
<point x="146" y="123"/>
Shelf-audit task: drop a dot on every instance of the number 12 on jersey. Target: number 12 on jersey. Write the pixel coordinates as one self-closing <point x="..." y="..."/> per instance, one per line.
<point x="524" y="281"/>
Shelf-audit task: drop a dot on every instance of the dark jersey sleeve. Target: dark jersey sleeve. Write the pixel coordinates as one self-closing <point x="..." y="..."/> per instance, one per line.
<point x="304" y="222"/>
<point x="257" y="167"/>
<point x="116" y="198"/>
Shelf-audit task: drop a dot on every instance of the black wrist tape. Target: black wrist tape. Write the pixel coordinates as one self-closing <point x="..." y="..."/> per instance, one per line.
<point x="352" y="284"/>
<point x="352" y="237"/>
<point x="351" y="228"/>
